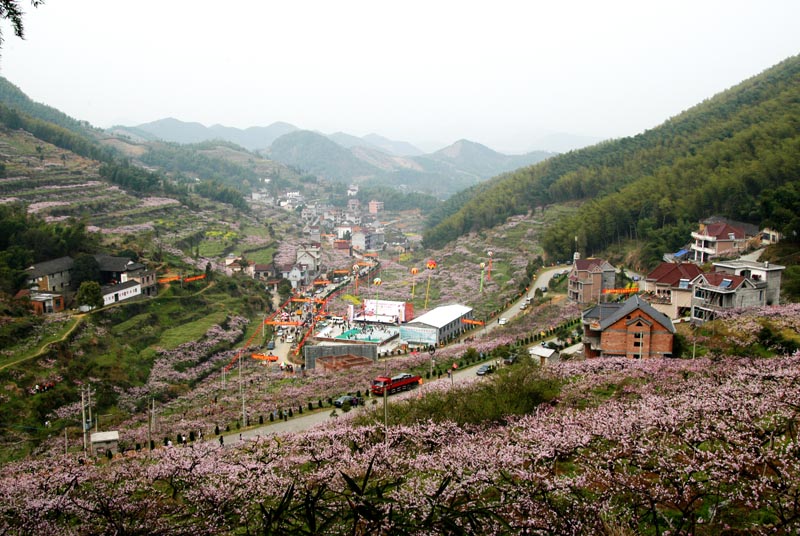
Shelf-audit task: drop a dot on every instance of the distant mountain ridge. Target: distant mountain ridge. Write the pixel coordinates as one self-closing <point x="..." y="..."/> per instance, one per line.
<point x="443" y="173"/>
<point x="342" y="157"/>
<point x="177" y="131"/>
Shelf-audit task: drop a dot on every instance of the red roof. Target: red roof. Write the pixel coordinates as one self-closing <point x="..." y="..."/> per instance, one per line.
<point x="715" y="279"/>
<point x="670" y="273"/>
<point x="723" y="230"/>
<point x="589" y="264"/>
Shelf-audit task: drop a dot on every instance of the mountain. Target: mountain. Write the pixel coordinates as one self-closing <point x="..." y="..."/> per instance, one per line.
<point x="482" y="161"/>
<point x="175" y="130"/>
<point x="341" y="157"/>
<point x="348" y="141"/>
<point x="400" y="148"/>
<point x="736" y="155"/>
<point x="316" y="154"/>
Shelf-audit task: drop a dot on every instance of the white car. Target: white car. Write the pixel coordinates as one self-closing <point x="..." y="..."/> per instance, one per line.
<point x="503" y="321"/>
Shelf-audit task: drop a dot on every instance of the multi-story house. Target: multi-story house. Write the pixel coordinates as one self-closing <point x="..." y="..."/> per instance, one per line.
<point x="756" y="271"/>
<point x="668" y="288"/>
<point x="51" y="276"/>
<point x="714" y="240"/>
<point x="588" y="278"/>
<point x="632" y="329"/>
<point x="734" y="285"/>
<point x="308" y="255"/>
<point x="375" y="206"/>
<point x="115" y="270"/>
<point x="365" y="240"/>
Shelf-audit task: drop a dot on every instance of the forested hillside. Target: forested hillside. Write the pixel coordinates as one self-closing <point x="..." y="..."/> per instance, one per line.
<point x="736" y="155"/>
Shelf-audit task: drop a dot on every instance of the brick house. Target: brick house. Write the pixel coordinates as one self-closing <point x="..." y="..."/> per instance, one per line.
<point x="588" y="278"/>
<point x="668" y="288"/>
<point x="632" y="329"/>
<point x="43" y="302"/>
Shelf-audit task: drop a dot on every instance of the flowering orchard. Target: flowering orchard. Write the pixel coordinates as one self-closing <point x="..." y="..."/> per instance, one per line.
<point x="630" y="447"/>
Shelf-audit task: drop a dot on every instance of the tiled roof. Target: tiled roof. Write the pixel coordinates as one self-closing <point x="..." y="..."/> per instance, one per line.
<point x="61" y="264"/>
<point x="109" y="263"/>
<point x="590" y="264"/>
<point x="722" y="230"/>
<point x="715" y="279"/>
<point x="633" y="303"/>
<point x="670" y="273"/>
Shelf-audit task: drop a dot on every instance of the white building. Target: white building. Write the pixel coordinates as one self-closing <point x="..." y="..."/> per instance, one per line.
<point x="121" y="292"/>
<point x="436" y="326"/>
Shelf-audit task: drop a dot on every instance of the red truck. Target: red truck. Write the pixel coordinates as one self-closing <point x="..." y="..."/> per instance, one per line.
<point x="401" y="382"/>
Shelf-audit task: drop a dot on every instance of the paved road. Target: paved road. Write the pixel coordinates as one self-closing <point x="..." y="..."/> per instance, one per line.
<point x="303" y="422"/>
<point x="542" y="280"/>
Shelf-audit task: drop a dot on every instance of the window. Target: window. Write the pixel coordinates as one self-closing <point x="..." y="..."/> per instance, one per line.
<point x="637" y="343"/>
<point x="726" y="283"/>
<point x="638" y="335"/>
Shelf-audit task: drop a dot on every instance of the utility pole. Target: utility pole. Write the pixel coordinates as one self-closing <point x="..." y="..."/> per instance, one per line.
<point x="385" y="414"/>
<point x="89" y="404"/>
<point x="83" y="420"/>
<point x="241" y="391"/>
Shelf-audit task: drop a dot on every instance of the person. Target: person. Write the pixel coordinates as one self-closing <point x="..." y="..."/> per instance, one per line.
<point x="221" y="441"/>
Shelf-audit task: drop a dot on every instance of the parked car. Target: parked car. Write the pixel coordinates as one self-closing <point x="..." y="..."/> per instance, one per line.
<point x="347" y="399"/>
<point x="503" y="321"/>
<point x="484" y="369"/>
<point x="271" y="344"/>
<point x="523" y="306"/>
<point x="510" y="360"/>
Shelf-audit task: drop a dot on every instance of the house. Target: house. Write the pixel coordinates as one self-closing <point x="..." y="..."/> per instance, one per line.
<point x="51" y="276"/>
<point x="375" y="206"/>
<point x="719" y="239"/>
<point x="588" y="278"/>
<point x="297" y="275"/>
<point x="631" y="329"/>
<point x="364" y="240"/>
<point x="115" y="270"/>
<point x="770" y="236"/>
<point x="734" y="285"/>
<point x="121" y="292"/>
<point x="668" y="288"/>
<point x="104" y="442"/>
<point x="308" y="255"/>
<point x="758" y="272"/>
<point x="263" y="271"/>
<point x="43" y="302"/>
<point x="543" y="355"/>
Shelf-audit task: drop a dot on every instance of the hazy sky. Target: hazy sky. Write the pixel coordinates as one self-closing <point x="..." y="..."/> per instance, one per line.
<point x="502" y="73"/>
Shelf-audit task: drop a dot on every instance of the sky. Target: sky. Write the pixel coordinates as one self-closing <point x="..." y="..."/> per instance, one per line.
<point x="507" y="74"/>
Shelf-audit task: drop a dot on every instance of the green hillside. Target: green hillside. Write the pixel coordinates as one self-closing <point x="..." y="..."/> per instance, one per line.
<point x="728" y="156"/>
<point x="316" y="154"/>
